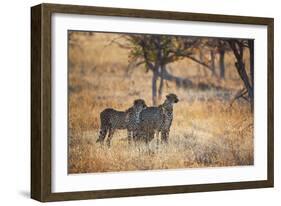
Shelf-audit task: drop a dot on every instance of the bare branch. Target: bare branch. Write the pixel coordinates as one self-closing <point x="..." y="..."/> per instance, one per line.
<point x="239" y="94"/>
<point x="123" y="37"/>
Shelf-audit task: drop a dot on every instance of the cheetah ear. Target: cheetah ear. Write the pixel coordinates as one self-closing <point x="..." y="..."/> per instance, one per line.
<point x="143" y="102"/>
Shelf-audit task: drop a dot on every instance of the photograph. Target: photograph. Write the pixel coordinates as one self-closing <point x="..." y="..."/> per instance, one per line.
<point x="152" y="102"/>
<point x="134" y="102"/>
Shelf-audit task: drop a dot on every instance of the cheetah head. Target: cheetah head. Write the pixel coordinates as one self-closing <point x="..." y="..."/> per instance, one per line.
<point x="172" y="98"/>
<point x="139" y="104"/>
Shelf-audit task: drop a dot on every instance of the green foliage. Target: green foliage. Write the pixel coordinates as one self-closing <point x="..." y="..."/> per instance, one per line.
<point x="155" y="50"/>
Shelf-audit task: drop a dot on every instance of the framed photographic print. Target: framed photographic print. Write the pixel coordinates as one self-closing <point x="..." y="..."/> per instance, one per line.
<point x="132" y="102"/>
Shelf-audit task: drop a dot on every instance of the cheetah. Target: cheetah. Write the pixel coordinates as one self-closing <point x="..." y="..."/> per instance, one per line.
<point x="111" y="120"/>
<point x="157" y="119"/>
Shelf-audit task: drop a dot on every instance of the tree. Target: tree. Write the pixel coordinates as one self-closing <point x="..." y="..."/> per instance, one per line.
<point x="217" y="46"/>
<point x="238" y="47"/>
<point x="156" y="52"/>
<point x="222" y="48"/>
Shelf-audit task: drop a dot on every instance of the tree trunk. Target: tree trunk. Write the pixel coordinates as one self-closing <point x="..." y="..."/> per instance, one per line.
<point x="160" y="89"/>
<point x="154" y="88"/>
<point x="212" y="54"/>
<point x="240" y="66"/>
<point x="237" y="48"/>
<point x="159" y="66"/>
<point x="251" y="49"/>
<point x="201" y="67"/>
<point x="222" y="66"/>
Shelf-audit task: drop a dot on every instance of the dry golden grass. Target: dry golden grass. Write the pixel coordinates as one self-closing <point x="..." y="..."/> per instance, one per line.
<point x="206" y="131"/>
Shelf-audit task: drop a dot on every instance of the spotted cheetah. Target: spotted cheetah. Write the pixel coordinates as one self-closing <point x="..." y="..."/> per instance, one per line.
<point x="111" y="120"/>
<point x="157" y="119"/>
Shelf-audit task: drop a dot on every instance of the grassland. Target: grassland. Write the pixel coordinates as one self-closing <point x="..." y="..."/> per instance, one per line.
<point x="206" y="131"/>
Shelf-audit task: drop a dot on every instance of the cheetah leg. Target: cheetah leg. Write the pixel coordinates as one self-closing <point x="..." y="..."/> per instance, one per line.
<point x="136" y="137"/>
<point x="149" y="136"/>
<point x="137" y="133"/>
<point x="102" y="135"/>
<point x="110" y="135"/>
<point x="145" y="136"/>
<point x="165" y="136"/>
<point x="157" y="139"/>
<point x="129" y="136"/>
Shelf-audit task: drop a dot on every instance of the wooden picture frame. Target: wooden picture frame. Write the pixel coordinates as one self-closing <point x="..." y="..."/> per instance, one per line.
<point x="41" y="96"/>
